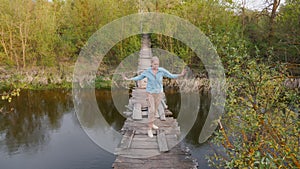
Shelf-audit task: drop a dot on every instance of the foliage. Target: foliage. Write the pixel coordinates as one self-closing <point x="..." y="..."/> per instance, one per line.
<point x="261" y="120"/>
<point x="45" y="33"/>
<point x="288" y="47"/>
<point x="274" y="33"/>
<point x="9" y="94"/>
<point x="102" y="83"/>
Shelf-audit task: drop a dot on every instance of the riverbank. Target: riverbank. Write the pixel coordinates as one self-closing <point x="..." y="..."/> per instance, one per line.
<point x="61" y="78"/>
<point x="43" y="78"/>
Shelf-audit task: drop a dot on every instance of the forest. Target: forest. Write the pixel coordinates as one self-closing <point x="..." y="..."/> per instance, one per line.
<point x="259" y="49"/>
<point x="48" y="34"/>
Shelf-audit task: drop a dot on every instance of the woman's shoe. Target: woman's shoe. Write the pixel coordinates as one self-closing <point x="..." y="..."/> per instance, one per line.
<point x="154" y="127"/>
<point x="150" y="134"/>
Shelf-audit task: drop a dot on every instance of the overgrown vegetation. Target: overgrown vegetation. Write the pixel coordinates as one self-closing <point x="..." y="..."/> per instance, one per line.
<point x="262" y="120"/>
<point x="47" y="34"/>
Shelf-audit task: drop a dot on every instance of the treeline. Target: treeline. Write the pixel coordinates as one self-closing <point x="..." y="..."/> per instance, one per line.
<point x="47" y="33"/>
<point x="43" y="33"/>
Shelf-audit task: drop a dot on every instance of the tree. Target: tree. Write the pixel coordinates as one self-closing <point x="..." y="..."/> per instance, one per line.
<point x="15" y="22"/>
<point x="287" y="34"/>
<point x="261" y="123"/>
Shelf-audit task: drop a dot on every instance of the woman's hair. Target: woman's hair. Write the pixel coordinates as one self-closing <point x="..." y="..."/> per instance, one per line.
<point x="154" y="58"/>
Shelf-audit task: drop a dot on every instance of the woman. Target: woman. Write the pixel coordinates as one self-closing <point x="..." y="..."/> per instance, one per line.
<point x="154" y="89"/>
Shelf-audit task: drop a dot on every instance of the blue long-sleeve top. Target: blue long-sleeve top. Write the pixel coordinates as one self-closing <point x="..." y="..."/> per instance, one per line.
<point x="154" y="82"/>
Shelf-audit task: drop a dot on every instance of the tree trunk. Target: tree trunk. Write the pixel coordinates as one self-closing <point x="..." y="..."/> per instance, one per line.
<point x="272" y="19"/>
<point x="4" y="44"/>
<point x="23" y="43"/>
<point x="12" y="49"/>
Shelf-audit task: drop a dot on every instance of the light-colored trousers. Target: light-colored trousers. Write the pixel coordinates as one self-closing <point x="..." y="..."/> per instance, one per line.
<point x="154" y="101"/>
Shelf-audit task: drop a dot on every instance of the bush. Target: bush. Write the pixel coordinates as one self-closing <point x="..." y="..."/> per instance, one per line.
<point x="262" y="127"/>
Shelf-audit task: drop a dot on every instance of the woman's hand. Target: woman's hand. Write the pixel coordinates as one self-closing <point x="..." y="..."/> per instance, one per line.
<point x="183" y="72"/>
<point x="124" y="77"/>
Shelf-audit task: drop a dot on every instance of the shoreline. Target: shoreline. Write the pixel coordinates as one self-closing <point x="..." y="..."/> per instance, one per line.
<point x="62" y="78"/>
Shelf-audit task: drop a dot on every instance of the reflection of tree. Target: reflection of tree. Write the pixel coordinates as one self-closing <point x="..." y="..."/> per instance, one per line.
<point x="88" y="110"/>
<point x="34" y="114"/>
<point x="205" y="102"/>
<point x="108" y="109"/>
<point x="173" y="101"/>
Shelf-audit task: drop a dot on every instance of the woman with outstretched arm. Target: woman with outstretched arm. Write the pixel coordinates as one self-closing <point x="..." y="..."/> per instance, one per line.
<point x="154" y="89"/>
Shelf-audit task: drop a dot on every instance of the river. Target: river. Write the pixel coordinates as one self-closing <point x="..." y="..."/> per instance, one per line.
<point x="39" y="130"/>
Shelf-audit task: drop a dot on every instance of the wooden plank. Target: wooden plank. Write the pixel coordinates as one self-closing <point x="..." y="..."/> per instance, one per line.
<point x="144" y="113"/>
<point x="163" y="156"/>
<point x="124" y="165"/>
<point x="127" y="139"/>
<point x="163" y="160"/>
<point x="144" y="145"/>
<point x="147" y="158"/>
<point x="136" y="98"/>
<point x="139" y="93"/>
<point x="140" y="101"/>
<point x="143" y="122"/>
<point x="167" y="131"/>
<point x="138" y="90"/>
<point x="143" y="130"/>
<point x="138" y="153"/>
<point x="145" y="139"/>
<point x="127" y="113"/>
<point x="164" y="104"/>
<point x="148" y="139"/>
<point x="139" y="98"/>
<point x="161" y="112"/>
<point x="169" y="120"/>
<point x="131" y="137"/>
<point x="162" y="141"/>
<point x="161" y="164"/>
<point x="140" y="130"/>
<point x="137" y="112"/>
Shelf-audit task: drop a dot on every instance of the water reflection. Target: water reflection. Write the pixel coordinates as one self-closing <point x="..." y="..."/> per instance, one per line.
<point x="174" y="102"/>
<point x="194" y="133"/>
<point x="92" y="120"/>
<point x="43" y="123"/>
<point x="108" y="109"/>
<point x="26" y="121"/>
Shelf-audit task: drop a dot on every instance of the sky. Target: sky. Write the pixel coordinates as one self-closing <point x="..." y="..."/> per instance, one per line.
<point x="251" y="4"/>
<point x="256" y="4"/>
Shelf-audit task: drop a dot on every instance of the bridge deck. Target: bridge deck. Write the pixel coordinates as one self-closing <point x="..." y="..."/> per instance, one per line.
<point x="137" y="150"/>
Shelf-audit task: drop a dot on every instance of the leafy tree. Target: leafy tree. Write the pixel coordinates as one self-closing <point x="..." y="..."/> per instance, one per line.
<point x="261" y="122"/>
<point x="15" y="19"/>
<point x="287" y="47"/>
<point x="273" y="31"/>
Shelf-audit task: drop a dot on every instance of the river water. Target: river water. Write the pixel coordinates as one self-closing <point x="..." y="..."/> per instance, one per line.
<point x="40" y="130"/>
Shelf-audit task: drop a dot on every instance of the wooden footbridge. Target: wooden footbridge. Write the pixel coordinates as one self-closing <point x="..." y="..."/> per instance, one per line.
<point x="136" y="149"/>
